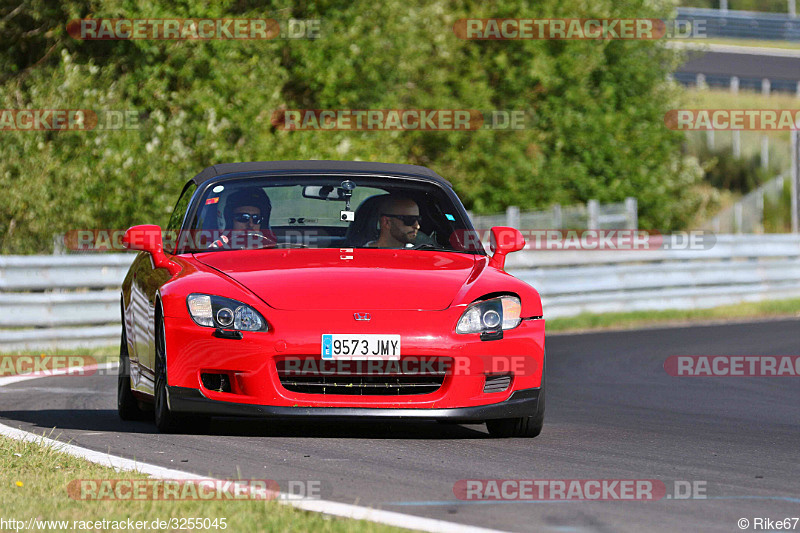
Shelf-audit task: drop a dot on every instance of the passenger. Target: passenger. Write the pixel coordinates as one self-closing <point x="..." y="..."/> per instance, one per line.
<point x="399" y="223"/>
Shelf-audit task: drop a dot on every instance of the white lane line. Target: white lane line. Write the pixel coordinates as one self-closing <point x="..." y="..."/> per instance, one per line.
<point x="344" y="510"/>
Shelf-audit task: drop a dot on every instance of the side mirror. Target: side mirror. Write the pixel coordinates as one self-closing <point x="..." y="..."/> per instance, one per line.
<point x="147" y="238"/>
<point x="504" y="241"/>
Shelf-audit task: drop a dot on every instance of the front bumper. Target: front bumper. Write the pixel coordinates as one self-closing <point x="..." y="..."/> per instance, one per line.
<point x="521" y="403"/>
<point x="251" y="363"/>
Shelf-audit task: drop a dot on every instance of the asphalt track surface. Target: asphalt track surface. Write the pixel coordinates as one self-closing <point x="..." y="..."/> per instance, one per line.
<point x="742" y="65"/>
<point x="612" y="413"/>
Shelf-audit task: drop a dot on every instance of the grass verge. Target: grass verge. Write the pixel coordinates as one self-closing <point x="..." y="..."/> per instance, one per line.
<point x="638" y="319"/>
<point x="34" y="480"/>
<point x="786" y="45"/>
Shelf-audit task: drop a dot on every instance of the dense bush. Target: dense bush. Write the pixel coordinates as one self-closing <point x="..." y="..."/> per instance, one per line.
<point x="594" y="108"/>
<point x="725" y="171"/>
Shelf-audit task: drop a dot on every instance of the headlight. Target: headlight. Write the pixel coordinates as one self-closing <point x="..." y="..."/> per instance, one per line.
<point x="219" y="312"/>
<point x="491" y="315"/>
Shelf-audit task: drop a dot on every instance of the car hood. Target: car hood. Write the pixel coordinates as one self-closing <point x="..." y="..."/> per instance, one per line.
<point x="347" y="279"/>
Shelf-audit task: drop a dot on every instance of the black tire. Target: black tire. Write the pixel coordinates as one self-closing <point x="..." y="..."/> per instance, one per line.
<point x="127" y="405"/>
<point x="167" y="421"/>
<point x="529" y="426"/>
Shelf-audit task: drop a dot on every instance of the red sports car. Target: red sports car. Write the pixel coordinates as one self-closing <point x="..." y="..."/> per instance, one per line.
<point x="328" y="289"/>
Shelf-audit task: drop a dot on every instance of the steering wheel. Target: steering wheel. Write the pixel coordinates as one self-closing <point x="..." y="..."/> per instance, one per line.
<point x="259" y="240"/>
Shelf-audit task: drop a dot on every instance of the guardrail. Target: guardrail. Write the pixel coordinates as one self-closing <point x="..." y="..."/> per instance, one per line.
<point x="68" y="301"/>
<point x="743" y="24"/>
<point x="592" y="215"/>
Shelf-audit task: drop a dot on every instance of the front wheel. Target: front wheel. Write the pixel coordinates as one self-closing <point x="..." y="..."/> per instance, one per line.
<point x="166" y="420"/>
<point x="528" y="426"/>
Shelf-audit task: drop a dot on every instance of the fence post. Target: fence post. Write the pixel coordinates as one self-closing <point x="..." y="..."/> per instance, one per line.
<point x="512" y="216"/>
<point x="736" y="142"/>
<point x="593" y="209"/>
<point x="765" y="152"/>
<point x="632" y="209"/>
<point x="710" y="139"/>
<point x="558" y="220"/>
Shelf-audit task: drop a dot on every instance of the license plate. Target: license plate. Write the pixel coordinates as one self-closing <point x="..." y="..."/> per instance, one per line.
<point x="361" y="346"/>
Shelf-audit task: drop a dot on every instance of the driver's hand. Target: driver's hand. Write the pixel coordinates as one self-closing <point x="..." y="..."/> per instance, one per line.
<point x="222" y="242"/>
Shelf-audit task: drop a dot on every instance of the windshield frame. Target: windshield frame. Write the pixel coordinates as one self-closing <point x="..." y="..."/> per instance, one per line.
<point x="293" y="177"/>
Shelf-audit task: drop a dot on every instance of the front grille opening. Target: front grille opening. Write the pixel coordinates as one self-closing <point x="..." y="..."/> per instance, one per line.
<point x="216" y="382"/>
<point x="353" y="380"/>
<point x="497" y="382"/>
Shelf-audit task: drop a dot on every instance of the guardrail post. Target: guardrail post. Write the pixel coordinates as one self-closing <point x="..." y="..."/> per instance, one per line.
<point x="700" y="80"/>
<point x="58" y="245"/>
<point x="632" y="209"/>
<point x="512" y="216"/>
<point x="765" y="152"/>
<point x="723" y="5"/>
<point x="765" y="86"/>
<point x="797" y="92"/>
<point x="558" y="220"/>
<point x="792" y="12"/>
<point x="593" y="209"/>
<point x="734" y="84"/>
<point x="736" y="142"/>
<point x="737" y="217"/>
<point x="710" y="141"/>
<point x="795" y="145"/>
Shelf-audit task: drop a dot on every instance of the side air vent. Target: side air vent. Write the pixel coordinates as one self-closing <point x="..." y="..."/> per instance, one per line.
<point x="497" y="382"/>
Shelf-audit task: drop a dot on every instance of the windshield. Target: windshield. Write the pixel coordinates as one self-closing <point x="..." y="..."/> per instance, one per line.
<point x="326" y="212"/>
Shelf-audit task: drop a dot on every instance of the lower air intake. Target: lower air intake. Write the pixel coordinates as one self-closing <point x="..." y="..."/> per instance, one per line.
<point x="353" y="381"/>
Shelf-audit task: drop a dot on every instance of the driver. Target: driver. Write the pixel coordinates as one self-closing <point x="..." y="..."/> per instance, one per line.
<point x="246" y="214"/>
<point x="399" y="222"/>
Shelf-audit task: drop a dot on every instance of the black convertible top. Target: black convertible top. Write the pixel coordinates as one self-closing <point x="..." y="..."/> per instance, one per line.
<point x="318" y="166"/>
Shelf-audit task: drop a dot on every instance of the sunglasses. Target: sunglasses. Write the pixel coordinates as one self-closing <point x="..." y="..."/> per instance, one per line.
<point x="408" y="220"/>
<point x="245" y="217"/>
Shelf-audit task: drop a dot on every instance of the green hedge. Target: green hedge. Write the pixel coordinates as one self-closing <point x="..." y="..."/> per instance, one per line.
<point x="594" y="108"/>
